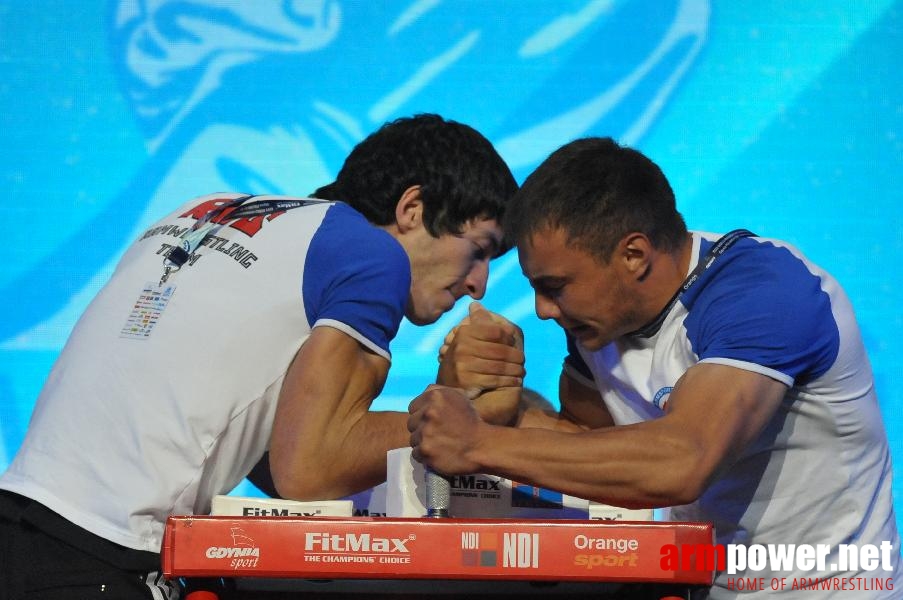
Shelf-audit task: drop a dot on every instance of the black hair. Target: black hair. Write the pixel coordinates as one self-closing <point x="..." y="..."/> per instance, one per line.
<point x="460" y="174"/>
<point x="597" y="191"/>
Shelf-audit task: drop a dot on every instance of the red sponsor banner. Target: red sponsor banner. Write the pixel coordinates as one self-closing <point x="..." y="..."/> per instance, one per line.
<point x="396" y="548"/>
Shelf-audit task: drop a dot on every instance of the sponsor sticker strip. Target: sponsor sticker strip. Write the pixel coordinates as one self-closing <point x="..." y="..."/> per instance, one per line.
<point x="408" y="548"/>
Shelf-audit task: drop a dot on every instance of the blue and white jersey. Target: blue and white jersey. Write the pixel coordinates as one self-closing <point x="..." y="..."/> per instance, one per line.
<point x="165" y="395"/>
<point x="820" y="471"/>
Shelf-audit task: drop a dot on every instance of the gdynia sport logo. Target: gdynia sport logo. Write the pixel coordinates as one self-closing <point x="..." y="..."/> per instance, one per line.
<point x="788" y="566"/>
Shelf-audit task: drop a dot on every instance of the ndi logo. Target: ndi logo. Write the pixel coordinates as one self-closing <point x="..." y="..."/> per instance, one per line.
<point x="519" y="550"/>
<point x="479" y="549"/>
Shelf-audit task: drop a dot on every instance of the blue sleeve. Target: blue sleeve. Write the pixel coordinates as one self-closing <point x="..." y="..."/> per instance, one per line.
<point x="762" y="305"/>
<point x="357" y="278"/>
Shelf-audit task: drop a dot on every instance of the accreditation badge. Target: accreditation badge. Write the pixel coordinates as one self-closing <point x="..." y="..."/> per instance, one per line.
<point x="147" y="310"/>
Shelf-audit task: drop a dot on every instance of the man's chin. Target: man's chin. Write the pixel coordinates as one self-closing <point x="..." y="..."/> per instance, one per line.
<point x="429" y="314"/>
<point x="593" y="344"/>
<point x="587" y="338"/>
<point x="421" y="319"/>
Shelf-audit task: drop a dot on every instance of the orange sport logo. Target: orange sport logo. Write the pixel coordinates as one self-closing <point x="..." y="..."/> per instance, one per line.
<point x="606" y="552"/>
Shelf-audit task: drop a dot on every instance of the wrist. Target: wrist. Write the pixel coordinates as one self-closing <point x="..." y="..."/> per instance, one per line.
<point x="489" y="446"/>
<point x="500" y="406"/>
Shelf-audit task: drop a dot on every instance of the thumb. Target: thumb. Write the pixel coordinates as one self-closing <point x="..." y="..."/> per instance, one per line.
<point x="478" y="313"/>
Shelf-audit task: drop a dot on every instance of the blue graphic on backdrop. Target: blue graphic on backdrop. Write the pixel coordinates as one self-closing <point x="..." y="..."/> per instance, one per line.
<point x="268" y="97"/>
<point x="214" y="85"/>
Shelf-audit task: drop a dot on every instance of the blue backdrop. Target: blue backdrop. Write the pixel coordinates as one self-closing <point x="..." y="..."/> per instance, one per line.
<point x="781" y="116"/>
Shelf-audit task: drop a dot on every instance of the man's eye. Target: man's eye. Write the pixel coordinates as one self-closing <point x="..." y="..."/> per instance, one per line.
<point x="550" y="290"/>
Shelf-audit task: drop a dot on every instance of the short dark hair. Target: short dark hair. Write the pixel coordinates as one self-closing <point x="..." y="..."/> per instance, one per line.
<point x="597" y="192"/>
<point x="460" y="174"/>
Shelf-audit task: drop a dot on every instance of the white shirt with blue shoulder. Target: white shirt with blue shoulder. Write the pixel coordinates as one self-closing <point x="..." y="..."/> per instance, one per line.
<point x="820" y="472"/>
<point x="164" y="395"/>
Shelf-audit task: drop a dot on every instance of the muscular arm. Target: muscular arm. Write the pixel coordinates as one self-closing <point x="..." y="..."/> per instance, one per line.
<point x="715" y="411"/>
<point x="581" y="409"/>
<point x="326" y="443"/>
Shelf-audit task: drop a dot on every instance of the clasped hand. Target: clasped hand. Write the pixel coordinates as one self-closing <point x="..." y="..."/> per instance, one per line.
<point x="484" y="356"/>
<point x="480" y="379"/>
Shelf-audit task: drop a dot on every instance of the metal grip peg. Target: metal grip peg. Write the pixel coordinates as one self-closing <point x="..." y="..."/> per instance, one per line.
<point x="438" y="494"/>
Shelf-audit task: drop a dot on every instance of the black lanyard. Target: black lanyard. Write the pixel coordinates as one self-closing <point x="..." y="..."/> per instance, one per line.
<point x="717" y="249"/>
<point x="215" y="218"/>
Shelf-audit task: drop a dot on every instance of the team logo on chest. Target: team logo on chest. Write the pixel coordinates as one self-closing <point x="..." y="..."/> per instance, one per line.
<point x="660" y="400"/>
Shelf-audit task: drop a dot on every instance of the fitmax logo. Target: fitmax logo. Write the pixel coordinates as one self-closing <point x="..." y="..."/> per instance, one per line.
<point x="253" y="511"/>
<point x="350" y="542"/>
<point x="471" y="482"/>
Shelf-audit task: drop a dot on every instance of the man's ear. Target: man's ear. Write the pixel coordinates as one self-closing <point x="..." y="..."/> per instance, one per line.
<point x="409" y="210"/>
<point x="635" y="252"/>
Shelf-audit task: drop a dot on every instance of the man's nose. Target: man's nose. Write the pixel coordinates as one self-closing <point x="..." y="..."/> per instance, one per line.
<point x="546" y="309"/>
<point x="476" y="280"/>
